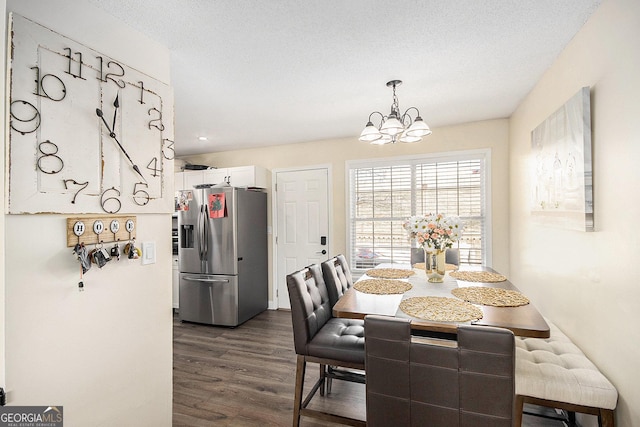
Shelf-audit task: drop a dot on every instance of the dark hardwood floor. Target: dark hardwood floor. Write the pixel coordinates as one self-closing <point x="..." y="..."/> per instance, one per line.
<point x="245" y="376"/>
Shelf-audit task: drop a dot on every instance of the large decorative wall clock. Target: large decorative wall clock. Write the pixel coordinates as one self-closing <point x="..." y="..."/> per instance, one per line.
<point x="87" y="133"/>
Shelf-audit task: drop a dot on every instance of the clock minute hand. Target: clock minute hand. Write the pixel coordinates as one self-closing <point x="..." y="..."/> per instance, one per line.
<point x="135" y="167"/>
<point x="113" y="135"/>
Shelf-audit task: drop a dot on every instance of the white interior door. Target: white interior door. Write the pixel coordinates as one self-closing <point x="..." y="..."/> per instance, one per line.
<point x="302" y="222"/>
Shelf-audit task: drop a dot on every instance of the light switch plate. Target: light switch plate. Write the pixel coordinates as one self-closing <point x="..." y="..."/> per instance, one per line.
<point x="148" y="253"/>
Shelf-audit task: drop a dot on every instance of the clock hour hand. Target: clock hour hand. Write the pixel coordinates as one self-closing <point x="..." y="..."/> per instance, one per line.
<point x="115" y="113"/>
<point x="113" y="135"/>
<point x="99" y="114"/>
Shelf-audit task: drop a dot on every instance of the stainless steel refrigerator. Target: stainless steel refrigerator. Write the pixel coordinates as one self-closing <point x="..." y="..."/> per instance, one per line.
<point x="222" y="255"/>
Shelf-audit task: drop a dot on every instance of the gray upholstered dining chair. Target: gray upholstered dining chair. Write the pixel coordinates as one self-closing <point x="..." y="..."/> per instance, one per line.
<point x="337" y="277"/>
<point x="417" y="255"/>
<point x="415" y="380"/>
<point x="320" y="338"/>
<point x="451" y="256"/>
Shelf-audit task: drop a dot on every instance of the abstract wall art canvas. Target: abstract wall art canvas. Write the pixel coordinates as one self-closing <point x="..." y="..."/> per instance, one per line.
<point x="562" y="189"/>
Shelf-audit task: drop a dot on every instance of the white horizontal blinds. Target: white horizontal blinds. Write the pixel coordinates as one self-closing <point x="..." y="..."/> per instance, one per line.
<point x="455" y="188"/>
<point x="383" y="196"/>
<point x="381" y="201"/>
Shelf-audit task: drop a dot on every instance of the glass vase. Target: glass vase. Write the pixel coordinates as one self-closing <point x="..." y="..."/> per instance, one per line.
<point x="434" y="265"/>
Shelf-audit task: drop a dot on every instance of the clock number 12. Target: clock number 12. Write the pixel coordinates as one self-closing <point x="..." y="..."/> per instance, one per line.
<point x="110" y="76"/>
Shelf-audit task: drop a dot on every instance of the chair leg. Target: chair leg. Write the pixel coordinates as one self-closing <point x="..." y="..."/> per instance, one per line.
<point x="323" y="377"/>
<point x="301" y="366"/>
<point x="519" y="407"/>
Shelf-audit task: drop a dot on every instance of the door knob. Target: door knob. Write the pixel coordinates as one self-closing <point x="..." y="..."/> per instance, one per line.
<point x="323" y="252"/>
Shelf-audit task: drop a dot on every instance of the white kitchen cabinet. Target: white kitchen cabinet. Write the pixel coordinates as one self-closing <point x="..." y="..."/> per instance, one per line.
<point x="185" y="180"/>
<point x="178" y="181"/>
<point x="192" y="178"/>
<point x="247" y="176"/>
<point x="215" y="176"/>
<point x="241" y="176"/>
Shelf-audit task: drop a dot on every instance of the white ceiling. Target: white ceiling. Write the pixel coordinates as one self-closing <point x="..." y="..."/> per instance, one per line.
<point x="250" y="73"/>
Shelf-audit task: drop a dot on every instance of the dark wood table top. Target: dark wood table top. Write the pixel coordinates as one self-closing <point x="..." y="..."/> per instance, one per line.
<point x="523" y="321"/>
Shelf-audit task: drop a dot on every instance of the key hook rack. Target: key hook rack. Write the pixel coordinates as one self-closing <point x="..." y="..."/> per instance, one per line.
<point x="100" y="229"/>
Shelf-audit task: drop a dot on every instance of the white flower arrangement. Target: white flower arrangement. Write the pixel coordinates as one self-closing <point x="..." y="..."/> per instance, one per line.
<point x="434" y="231"/>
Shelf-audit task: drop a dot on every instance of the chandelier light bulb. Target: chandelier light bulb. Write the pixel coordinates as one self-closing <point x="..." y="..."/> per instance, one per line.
<point x="391" y="126"/>
<point x="405" y="137"/>
<point x="384" y="139"/>
<point x="419" y="128"/>
<point x="370" y="133"/>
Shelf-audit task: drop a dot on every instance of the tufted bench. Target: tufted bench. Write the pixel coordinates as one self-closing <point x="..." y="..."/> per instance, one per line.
<point x="553" y="372"/>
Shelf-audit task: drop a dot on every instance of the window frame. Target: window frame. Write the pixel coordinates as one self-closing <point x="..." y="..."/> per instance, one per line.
<point x="484" y="155"/>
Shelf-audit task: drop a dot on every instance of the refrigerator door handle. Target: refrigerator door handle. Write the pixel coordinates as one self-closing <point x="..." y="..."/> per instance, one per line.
<point x="198" y="234"/>
<point x="205" y="232"/>
<point x="201" y="234"/>
<point x="204" y="279"/>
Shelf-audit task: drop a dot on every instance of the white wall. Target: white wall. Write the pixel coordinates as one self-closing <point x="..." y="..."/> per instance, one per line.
<point x="492" y="134"/>
<point x="105" y="354"/>
<point x="588" y="283"/>
<point x="2" y="280"/>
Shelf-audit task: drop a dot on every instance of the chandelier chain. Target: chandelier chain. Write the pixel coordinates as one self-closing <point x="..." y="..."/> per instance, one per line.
<point x="395" y="104"/>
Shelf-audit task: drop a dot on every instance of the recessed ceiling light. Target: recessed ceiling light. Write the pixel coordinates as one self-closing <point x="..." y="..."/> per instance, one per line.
<point x="202" y="138"/>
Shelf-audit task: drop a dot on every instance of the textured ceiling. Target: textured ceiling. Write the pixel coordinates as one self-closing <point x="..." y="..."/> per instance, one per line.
<point x="250" y="73"/>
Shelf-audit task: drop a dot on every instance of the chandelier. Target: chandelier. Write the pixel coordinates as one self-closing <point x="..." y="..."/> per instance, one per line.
<point x="395" y="127"/>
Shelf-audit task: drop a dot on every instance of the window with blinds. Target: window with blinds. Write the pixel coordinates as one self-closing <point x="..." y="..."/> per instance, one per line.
<point x="383" y="195"/>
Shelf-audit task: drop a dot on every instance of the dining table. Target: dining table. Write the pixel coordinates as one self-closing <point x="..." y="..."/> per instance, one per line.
<point x="523" y="320"/>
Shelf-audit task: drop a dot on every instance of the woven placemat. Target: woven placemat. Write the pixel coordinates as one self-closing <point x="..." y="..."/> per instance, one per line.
<point x="478" y="276"/>
<point x="382" y="286"/>
<point x="447" y="267"/>
<point x="440" y="309"/>
<point x="491" y="296"/>
<point x="389" y="273"/>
